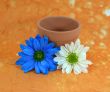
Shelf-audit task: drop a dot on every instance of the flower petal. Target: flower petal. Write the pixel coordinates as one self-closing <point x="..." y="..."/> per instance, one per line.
<point x="27" y="64"/>
<point x="77" y="69"/>
<point x="67" y="47"/>
<point x="28" y="51"/>
<point x="72" y="47"/>
<point x="62" y="54"/>
<point x="84" y="50"/>
<point x="42" y="69"/>
<point x="30" y="42"/>
<point x="59" y="60"/>
<point x="88" y="62"/>
<point x="36" y="44"/>
<point x="37" y="69"/>
<point x="22" y="46"/>
<point x="63" y="70"/>
<point x="85" y="70"/>
<point x="28" y="69"/>
<point x="82" y="57"/>
<point x="77" y="44"/>
<point x="20" y="61"/>
<point x="65" y="65"/>
<point x="21" y="54"/>
<point x="52" y="66"/>
<point x="42" y="43"/>
<point x="45" y="64"/>
<point x="68" y="69"/>
<point x="38" y="37"/>
<point x="50" y="45"/>
<point x="52" y="51"/>
<point x="64" y="50"/>
<point x="83" y="65"/>
<point x="79" y="49"/>
<point x="45" y="40"/>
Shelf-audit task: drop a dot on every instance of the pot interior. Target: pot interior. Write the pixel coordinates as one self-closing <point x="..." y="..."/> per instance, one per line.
<point x="58" y="24"/>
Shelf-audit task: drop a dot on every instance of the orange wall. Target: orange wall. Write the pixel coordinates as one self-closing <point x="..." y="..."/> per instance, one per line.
<point x="18" y="20"/>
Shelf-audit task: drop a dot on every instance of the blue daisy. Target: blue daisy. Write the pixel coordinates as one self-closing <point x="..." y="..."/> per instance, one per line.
<point x="37" y="55"/>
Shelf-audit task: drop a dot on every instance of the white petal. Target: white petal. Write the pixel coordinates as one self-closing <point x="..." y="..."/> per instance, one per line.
<point x="63" y="50"/>
<point x="68" y="69"/>
<point x="61" y="62"/>
<point x="79" y="49"/>
<point x="85" y="49"/>
<point x="70" y="49"/>
<point x="72" y="44"/>
<point x="77" y="69"/>
<point x="64" y="65"/>
<point x="83" y="65"/>
<point x="77" y="43"/>
<point x="88" y="62"/>
<point x="67" y="45"/>
<point x="85" y="71"/>
<point x="82" y="56"/>
<point x="62" y="53"/>
<point x="63" y="70"/>
<point x="58" y="59"/>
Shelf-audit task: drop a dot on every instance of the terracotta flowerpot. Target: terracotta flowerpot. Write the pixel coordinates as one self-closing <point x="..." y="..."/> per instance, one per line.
<point x="59" y="29"/>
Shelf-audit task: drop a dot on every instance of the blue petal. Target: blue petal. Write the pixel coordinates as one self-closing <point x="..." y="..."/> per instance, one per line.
<point x="22" y="46"/>
<point x="20" y="61"/>
<point x="45" y="64"/>
<point x="48" y="56"/>
<point x="27" y="42"/>
<point x="45" y="40"/>
<point x="52" y="66"/>
<point x="53" y="51"/>
<point x="38" y="37"/>
<point x="29" y="69"/>
<point x="43" y="69"/>
<point x="37" y="68"/>
<point x="36" y="44"/>
<point x="50" y="45"/>
<point x="27" y="65"/>
<point x="22" y="54"/>
<point x="28" y="51"/>
<point x="42" y="43"/>
<point x="31" y="41"/>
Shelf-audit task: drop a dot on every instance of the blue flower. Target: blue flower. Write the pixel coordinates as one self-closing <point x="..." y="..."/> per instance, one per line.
<point x="37" y="55"/>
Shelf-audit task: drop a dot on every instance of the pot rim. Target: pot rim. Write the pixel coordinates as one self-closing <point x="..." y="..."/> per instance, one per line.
<point x="57" y="32"/>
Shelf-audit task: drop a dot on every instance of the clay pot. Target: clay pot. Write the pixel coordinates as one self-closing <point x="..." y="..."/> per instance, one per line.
<point x="59" y="29"/>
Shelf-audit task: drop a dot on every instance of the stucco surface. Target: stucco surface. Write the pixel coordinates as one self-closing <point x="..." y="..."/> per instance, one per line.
<point x="18" y="20"/>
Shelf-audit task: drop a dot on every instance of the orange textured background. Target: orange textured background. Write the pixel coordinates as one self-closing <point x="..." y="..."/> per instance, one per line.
<point x="18" y="20"/>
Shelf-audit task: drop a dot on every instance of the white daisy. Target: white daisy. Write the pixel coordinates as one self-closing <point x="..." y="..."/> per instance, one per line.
<point x="73" y="57"/>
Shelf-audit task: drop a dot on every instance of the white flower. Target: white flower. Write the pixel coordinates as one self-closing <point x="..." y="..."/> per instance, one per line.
<point x="73" y="57"/>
